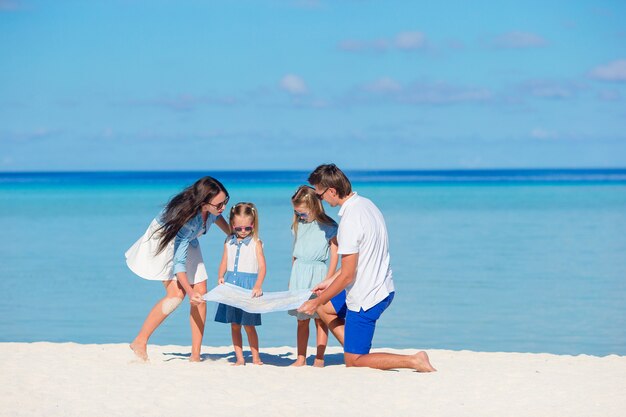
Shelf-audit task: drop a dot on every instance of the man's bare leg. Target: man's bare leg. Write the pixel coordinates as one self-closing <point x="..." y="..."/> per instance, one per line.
<point x="419" y="361"/>
<point x="335" y="324"/>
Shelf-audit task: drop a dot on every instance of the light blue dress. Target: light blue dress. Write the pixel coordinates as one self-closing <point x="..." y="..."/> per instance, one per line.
<point x="311" y="251"/>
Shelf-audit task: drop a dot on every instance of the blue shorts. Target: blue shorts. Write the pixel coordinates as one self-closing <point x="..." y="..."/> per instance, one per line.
<point x="360" y="326"/>
<point x="339" y="303"/>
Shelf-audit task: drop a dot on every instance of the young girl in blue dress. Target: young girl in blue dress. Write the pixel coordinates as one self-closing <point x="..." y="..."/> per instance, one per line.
<point x="243" y="264"/>
<point x="314" y="260"/>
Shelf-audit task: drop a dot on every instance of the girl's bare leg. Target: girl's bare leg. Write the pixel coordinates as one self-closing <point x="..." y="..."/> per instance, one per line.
<point x="197" y="319"/>
<point x="322" y="341"/>
<point x="302" y="341"/>
<point x="174" y="295"/>
<point x="253" y="341"/>
<point x="235" y="330"/>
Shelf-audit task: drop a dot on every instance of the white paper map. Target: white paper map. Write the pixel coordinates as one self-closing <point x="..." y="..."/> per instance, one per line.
<point x="235" y="296"/>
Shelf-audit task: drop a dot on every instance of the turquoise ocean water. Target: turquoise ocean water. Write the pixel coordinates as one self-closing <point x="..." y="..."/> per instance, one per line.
<point x="525" y="261"/>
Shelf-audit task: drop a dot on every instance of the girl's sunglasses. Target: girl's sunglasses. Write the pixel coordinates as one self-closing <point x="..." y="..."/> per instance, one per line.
<point x="242" y="228"/>
<point x="301" y="215"/>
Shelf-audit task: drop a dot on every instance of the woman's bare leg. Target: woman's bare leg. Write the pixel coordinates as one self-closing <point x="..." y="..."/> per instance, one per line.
<point x="174" y="295"/>
<point x="197" y="319"/>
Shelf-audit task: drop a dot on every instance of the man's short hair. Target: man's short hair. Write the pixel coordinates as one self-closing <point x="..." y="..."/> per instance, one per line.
<point x="329" y="176"/>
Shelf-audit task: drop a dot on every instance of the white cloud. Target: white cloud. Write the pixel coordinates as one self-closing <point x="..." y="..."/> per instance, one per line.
<point x="34" y="134"/>
<point x="410" y="40"/>
<point x="293" y="84"/>
<point x="384" y="85"/>
<point x="10" y="5"/>
<point x="437" y="93"/>
<point x="609" y="95"/>
<point x="550" y="89"/>
<point x="518" y="40"/>
<point x="443" y="93"/>
<point x="541" y="133"/>
<point x="183" y="102"/>
<point x="403" y="41"/>
<point x="613" y="71"/>
<point x="307" y="4"/>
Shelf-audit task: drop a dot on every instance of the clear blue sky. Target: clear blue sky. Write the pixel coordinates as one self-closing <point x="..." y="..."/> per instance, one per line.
<point x="289" y="84"/>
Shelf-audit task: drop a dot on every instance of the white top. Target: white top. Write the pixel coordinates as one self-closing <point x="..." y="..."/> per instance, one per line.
<point x="242" y="255"/>
<point x="362" y="230"/>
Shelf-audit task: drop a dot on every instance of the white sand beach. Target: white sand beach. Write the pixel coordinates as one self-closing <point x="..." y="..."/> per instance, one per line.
<point x="68" y="379"/>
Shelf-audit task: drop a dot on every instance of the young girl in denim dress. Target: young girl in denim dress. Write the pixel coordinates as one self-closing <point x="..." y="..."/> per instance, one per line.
<point x="243" y="264"/>
<point x="314" y="260"/>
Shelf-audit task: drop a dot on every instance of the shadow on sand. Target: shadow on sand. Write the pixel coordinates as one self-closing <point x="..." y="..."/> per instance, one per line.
<point x="281" y="359"/>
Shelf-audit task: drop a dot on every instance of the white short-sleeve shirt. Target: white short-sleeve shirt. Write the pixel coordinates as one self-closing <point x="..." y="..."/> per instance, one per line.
<point x="362" y="230"/>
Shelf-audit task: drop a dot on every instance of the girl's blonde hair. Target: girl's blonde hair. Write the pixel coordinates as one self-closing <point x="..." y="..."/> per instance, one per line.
<point x="246" y="210"/>
<point x="305" y="196"/>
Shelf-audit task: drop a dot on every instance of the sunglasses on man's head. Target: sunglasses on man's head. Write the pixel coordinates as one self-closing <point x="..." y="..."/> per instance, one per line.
<point x="243" y="228"/>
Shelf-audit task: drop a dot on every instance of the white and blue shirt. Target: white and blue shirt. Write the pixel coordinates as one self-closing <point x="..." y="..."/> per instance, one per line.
<point x="242" y="255"/>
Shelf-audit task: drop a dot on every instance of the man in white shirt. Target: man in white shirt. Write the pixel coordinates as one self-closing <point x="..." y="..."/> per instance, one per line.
<point x="365" y="275"/>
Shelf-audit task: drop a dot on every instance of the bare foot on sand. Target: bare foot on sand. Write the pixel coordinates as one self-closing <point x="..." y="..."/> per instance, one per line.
<point x="301" y="361"/>
<point x="257" y="361"/>
<point x="318" y="363"/>
<point x="239" y="363"/>
<point x="140" y="350"/>
<point x="195" y="359"/>
<point x="421" y="363"/>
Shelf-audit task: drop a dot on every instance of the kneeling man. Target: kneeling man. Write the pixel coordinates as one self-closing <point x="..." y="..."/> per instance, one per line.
<point x="365" y="275"/>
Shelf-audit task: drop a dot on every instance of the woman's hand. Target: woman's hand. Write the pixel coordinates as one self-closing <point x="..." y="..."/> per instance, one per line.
<point x="220" y="280"/>
<point x="257" y="292"/>
<point x="195" y="298"/>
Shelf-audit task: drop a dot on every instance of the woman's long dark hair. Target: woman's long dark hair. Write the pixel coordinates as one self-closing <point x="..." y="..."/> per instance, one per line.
<point x="185" y="205"/>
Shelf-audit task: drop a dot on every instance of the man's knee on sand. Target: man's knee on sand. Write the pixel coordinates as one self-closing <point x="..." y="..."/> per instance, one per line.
<point x="351" y="359"/>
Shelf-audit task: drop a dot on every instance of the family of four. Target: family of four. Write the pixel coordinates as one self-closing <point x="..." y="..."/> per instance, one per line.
<point x="348" y="301"/>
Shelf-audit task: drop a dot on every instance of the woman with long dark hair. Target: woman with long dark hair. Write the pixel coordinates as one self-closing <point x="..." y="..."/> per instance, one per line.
<point x="169" y="252"/>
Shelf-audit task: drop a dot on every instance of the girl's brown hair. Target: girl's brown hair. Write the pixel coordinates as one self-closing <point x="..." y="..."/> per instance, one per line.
<point x="246" y="210"/>
<point x="305" y="196"/>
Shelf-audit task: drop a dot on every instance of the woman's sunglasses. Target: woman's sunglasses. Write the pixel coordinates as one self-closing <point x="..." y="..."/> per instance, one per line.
<point x="242" y="228"/>
<point x="220" y="205"/>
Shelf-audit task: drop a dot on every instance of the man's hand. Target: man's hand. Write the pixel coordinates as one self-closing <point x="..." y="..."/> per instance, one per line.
<point x="309" y="307"/>
<point x="319" y="288"/>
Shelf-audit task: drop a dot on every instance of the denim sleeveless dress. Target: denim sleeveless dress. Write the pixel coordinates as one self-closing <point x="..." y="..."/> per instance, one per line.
<point x="242" y="270"/>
